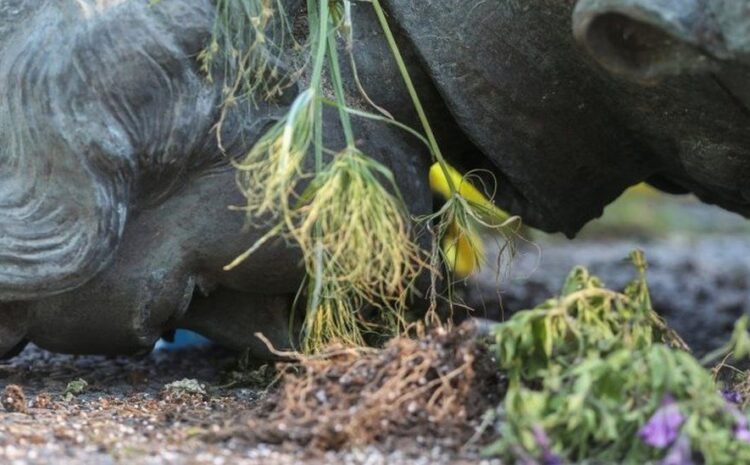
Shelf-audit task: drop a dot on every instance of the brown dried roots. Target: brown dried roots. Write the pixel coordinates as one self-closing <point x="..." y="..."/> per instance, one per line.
<point x="436" y="388"/>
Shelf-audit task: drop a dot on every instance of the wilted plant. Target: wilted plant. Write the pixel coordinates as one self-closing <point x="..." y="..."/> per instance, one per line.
<point x="363" y="228"/>
<point x="248" y="39"/>
<point x="466" y="208"/>
<point x="331" y="318"/>
<point x="603" y="377"/>
<point x="271" y="170"/>
<point x="349" y="221"/>
<point x="358" y="250"/>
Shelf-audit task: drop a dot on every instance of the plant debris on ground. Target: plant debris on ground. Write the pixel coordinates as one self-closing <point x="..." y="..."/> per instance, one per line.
<point x="14" y="399"/>
<point x="434" y="389"/>
<point x="591" y="376"/>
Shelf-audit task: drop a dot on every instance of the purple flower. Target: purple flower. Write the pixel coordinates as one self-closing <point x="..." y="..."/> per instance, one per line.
<point x="732" y="396"/>
<point x="741" y="430"/>
<point x="742" y="433"/>
<point x="542" y="440"/>
<point x="680" y="453"/>
<point x="663" y="427"/>
<point x="549" y="458"/>
<point x="540" y="437"/>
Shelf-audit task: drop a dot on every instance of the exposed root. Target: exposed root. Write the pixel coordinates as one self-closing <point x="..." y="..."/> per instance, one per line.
<point x="437" y="387"/>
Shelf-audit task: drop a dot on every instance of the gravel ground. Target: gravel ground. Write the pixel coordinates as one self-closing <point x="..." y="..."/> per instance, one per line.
<point x="126" y="416"/>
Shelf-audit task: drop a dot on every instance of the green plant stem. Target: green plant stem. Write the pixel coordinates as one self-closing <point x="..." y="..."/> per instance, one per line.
<point x="317" y="282"/>
<point x="273" y="232"/>
<point x="338" y="87"/>
<point x="318" y="23"/>
<point x="434" y="147"/>
<point x="381" y="119"/>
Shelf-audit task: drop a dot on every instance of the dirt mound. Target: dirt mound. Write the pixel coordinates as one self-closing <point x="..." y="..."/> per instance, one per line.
<point x="433" y="390"/>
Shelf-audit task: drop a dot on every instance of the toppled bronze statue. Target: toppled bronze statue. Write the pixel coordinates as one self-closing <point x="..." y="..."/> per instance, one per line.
<point x="114" y="226"/>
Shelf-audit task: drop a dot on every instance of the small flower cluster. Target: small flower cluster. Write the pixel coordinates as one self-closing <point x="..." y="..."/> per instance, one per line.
<point x="663" y="431"/>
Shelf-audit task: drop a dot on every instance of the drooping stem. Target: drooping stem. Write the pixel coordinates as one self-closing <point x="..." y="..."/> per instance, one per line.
<point x="381" y="119"/>
<point x="396" y="52"/>
<point x="338" y="88"/>
<point x="320" y="44"/>
<point x="318" y="22"/>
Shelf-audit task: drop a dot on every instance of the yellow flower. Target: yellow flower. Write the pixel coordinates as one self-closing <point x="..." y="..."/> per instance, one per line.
<point x="486" y="208"/>
<point x="463" y="250"/>
<point x="461" y="243"/>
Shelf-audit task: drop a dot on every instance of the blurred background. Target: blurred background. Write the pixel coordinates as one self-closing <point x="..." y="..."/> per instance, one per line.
<point x="698" y="254"/>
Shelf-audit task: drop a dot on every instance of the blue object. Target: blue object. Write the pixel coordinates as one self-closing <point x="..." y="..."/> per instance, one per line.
<point x="182" y="339"/>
